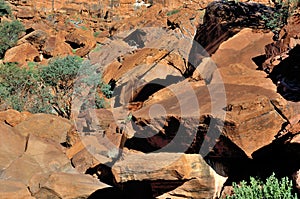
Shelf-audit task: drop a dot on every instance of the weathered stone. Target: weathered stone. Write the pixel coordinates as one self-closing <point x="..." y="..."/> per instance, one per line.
<point x="55" y="46"/>
<point x="48" y="154"/>
<point x="25" y="12"/>
<point x="252" y="121"/>
<point x="35" y="182"/>
<point x="198" y="188"/>
<point x="21" y="54"/>
<point x="45" y="126"/>
<point x="70" y="186"/>
<point x="30" y="167"/>
<point x="40" y="156"/>
<point x="255" y="123"/>
<point x="13" y="117"/>
<point x="82" y="41"/>
<point x="242" y="48"/>
<point x="13" y="189"/>
<point x="36" y="38"/>
<point x="160" y="166"/>
<point x="12" y="146"/>
<point x="74" y="149"/>
<point x="85" y="160"/>
<point x="221" y="21"/>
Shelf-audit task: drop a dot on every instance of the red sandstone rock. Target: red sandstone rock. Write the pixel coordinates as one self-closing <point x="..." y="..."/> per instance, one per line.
<point x="11" y="189"/>
<point x="45" y="126"/>
<point x="13" y="117"/>
<point x="21" y="54"/>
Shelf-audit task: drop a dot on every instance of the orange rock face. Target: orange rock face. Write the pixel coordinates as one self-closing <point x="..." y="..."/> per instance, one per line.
<point x="21" y="54"/>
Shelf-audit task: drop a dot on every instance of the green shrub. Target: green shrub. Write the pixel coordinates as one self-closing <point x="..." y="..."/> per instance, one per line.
<point x="21" y="89"/>
<point x="91" y="80"/>
<point x="4" y="8"/>
<point x="271" y="189"/>
<point x="9" y="34"/>
<point x="51" y="88"/>
<point x="59" y="76"/>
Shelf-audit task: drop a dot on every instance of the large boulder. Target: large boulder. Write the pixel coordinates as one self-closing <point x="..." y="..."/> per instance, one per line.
<point x="21" y="54"/>
<point x="222" y="21"/>
<point x="49" y="154"/>
<point x="161" y="166"/>
<point x="81" y="40"/>
<point x="170" y="167"/>
<point x="37" y="38"/>
<point x="46" y="126"/>
<point x="12" y="146"/>
<point x="64" y="185"/>
<point x="40" y="156"/>
<point x="30" y="168"/>
<point x="13" y="117"/>
<point x="251" y="120"/>
<point x="55" y="46"/>
<point x="197" y="188"/>
<point x="13" y="189"/>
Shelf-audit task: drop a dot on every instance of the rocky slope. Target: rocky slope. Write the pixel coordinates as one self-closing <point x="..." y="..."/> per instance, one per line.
<point x="189" y="115"/>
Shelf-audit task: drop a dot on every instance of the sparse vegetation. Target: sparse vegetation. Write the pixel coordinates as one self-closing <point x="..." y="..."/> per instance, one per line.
<point x="172" y="12"/>
<point x="96" y="34"/>
<point x="49" y="88"/>
<point x="276" y="20"/>
<point x="22" y="89"/>
<point x="9" y="34"/>
<point x="4" y="8"/>
<point x="272" y="189"/>
<point x="59" y="76"/>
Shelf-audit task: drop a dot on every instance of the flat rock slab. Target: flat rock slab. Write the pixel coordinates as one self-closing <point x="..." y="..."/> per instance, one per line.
<point x="70" y="186"/>
<point x="13" y="189"/>
<point x="251" y="112"/>
<point x="12" y="145"/>
<point x="45" y="126"/>
<point x="197" y="188"/>
<point x="161" y="166"/>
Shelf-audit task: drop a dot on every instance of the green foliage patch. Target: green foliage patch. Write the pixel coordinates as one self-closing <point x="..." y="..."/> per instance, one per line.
<point x="283" y="9"/>
<point x="22" y="89"/>
<point x="273" y="188"/>
<point x="9" y="34"/>
<point x="50" y="88"/>
<point x="4" y="8"/>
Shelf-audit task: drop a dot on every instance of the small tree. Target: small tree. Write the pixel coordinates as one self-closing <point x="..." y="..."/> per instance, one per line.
<point x="59" y="76"/>
<point x="52" y="88"/>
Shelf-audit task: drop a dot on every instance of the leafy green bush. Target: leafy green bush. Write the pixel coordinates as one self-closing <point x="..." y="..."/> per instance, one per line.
<point x="50" y="88"/>
<point x="9" y="34"/>
<point x="59" y="76"/>
<point x="21" y="89"/>
<point x="91" y="80"/>
<point x="4" y="8"/>
<point x="272" y="189"/>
